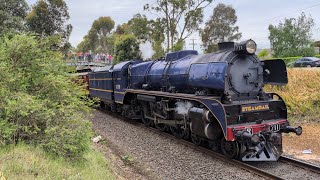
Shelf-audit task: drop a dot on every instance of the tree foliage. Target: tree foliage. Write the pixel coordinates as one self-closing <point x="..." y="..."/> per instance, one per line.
<point x="292" y="37"/>
<point x="220" y="27"/>
<point x="181" y="17"/>
<point x="148" y="30"/>
<point x="157" y="37"/>
<point x="98" y="35"/>
<point x="317" y="44"/>
<point x="126" y="48"/>
<point x="12" y="15"/>
<point x="123" y="29"/>
<point x="139" y="26"/>
<point x="50" y="17"/>
<point x="39" y="103"/>
<point x="102" y="27"/>
<point x="262" y="54"/>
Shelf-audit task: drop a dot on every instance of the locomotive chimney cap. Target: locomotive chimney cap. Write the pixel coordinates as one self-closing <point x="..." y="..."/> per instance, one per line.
<point x="222" y="46"/>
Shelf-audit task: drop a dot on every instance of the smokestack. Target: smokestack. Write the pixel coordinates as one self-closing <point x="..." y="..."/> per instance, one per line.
<point x="226" y="46"/>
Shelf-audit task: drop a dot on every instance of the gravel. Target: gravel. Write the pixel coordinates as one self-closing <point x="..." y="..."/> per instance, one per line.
<point x="286" y="171"/>
<point x="162" y="157"/>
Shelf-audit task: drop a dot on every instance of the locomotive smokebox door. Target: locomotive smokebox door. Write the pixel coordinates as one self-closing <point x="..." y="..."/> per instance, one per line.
<point x="275" y="72"/>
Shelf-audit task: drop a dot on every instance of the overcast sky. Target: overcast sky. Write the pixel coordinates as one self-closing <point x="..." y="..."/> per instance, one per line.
<point x="254" y="16"/>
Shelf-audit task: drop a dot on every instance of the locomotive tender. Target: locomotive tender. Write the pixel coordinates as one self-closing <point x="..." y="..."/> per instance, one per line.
<point x="216" y="98"/>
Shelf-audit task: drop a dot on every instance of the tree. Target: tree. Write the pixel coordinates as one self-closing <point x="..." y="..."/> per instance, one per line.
<point x="102" y="27"/>
<point x="317" y="44"/>
<point x="123" y="29"/>
<point x="220" y="27"/>
<point x="12" y="15"/>
<point x="157" y="37"/>
<point x="98" y="35"/>
<point x="139" y="26"/>
<point x="262" y="54"/>
<point x="39" y="102"/>
<point x="126" y="48"/>
<point x="292" y="37"/>
<point x="50" y="17"/>
<point x="181" y="17"/>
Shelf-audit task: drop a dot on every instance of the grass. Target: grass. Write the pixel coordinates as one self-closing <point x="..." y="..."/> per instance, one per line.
<point x="27" y="162"/>
<point x="301" y="94"/>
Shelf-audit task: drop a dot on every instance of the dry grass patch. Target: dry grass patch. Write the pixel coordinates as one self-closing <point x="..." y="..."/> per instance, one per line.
<point x="301" y="94"/>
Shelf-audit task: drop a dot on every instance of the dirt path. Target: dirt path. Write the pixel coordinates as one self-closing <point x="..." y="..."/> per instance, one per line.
<point x="310" y="139"/>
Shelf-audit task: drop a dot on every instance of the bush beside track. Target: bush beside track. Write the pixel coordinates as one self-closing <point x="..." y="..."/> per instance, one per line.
<point x="301" y="94"/>
<point x="39" y="103"/>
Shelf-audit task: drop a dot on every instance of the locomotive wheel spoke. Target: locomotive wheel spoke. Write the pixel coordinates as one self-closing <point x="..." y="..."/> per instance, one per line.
<point x="229" y="148"/>
<point x="146" y="121"/>
<point x="196" y="139"/>
<point x="178" y="131"/>
<point x="161" y="127"/>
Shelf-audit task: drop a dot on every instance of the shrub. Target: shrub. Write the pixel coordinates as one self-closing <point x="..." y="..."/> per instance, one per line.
<point x="262" y="54"/>
<point x="301" y="94"/>
<point x="39" y="103"/>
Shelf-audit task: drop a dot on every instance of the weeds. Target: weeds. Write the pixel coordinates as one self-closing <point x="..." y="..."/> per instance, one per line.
<point x="301" y="94"/>
<point x="127" y="159"/>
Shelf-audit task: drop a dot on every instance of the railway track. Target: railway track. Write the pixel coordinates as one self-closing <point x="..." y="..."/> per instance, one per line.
<point x="301" y="164"/>
<point x="243" y="165"/>
<point x="216" y="155"/>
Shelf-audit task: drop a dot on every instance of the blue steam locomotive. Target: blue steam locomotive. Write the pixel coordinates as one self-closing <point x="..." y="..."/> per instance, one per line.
<point x="216" y="98"/>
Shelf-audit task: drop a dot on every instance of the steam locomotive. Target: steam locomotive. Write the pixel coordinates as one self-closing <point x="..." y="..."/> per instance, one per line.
<point x="216" y="98"/>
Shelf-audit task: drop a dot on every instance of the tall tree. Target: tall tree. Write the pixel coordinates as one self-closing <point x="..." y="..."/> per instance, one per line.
<point x="181" y="17"/>
<point x="139" y="26"/>
<point x="126" y="48"/>
<point x="123" y="29"/>
<point x="220" y="27"/>
<point x="292" y="37"/>
<point x="50" y="17"/>
<point x="98" y="35"/>
<point x="12" y="15"/>
<point x="157" y="37"/>
<point x="103" y="27"/>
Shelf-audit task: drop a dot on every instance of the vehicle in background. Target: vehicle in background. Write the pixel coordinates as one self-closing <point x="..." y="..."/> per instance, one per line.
<point x="307" y="62"/>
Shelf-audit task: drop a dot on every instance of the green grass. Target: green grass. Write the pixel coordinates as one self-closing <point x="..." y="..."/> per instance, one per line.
<point x="27" y="162"/>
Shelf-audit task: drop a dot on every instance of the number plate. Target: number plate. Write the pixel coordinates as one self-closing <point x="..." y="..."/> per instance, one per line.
<point x="254" y="107"/>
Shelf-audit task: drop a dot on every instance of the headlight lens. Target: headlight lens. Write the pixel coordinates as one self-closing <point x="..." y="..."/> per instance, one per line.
<point x="251" y="46"/>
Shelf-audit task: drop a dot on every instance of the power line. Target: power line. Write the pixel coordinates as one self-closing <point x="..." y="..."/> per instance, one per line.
<point x="276" y="17"/>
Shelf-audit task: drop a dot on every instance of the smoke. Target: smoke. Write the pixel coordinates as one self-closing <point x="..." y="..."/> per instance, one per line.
<point x="146" y="50"/>
<point x="183" y="107"/>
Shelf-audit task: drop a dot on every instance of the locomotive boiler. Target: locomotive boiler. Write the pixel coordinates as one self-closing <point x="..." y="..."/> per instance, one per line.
<point x="216" y="98"/>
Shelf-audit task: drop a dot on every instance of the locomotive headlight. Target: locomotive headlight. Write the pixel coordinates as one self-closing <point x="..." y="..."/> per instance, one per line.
<point x="251" y="46"/>
<point x="248" y="47"/>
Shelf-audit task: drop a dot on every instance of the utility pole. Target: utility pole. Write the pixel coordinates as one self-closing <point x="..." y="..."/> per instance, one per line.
<point x="193" y="43"/>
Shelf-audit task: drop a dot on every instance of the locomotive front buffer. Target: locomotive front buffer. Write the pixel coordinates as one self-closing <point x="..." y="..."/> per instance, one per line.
<point x="262" y="142"/>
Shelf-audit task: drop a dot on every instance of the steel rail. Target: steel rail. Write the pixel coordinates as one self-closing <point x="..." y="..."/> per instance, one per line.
<point x="299" y="163"/>
<point x="216" y="155"/>
<point x="209" y="152"/>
